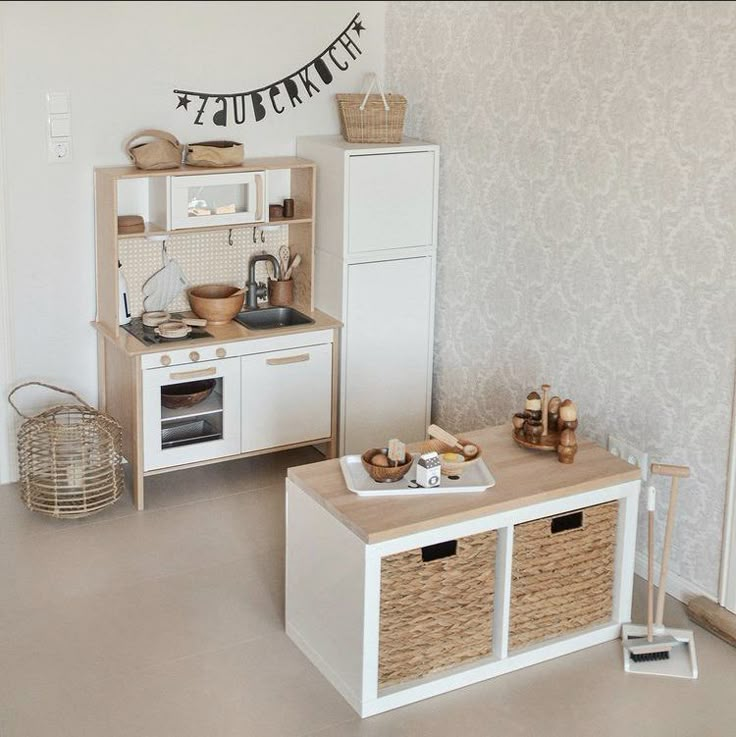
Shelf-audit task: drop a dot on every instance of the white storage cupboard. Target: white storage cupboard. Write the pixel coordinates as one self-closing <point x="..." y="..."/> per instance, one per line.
<point x="375" y="271"/>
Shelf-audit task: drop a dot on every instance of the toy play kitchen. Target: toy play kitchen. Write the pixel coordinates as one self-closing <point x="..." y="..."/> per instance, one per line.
<point x="203" y="368"/>
<point x="395" y="599"/>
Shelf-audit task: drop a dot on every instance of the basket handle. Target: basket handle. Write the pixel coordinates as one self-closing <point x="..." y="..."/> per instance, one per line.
<point x="48" y="386"/>
<point x="374" y="81"/>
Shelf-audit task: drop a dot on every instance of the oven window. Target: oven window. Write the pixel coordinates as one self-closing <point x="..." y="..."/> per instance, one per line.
<point x="217" y="199"/>
<point x="191" y="412"/>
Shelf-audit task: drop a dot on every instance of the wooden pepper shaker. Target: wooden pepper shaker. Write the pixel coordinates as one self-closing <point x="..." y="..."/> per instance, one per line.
<point x="568" y="416"/>
<point x="533" y="431"/>
<point x="553" y="413"/>
<point x="568" y="446"/>
<point x="533" y="406"/>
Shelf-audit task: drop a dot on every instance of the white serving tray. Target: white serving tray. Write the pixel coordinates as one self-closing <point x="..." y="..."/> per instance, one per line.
<point x="477" y="478"/>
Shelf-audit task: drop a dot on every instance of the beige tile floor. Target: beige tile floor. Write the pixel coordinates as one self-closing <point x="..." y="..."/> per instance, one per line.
<point x="169" y="623"/>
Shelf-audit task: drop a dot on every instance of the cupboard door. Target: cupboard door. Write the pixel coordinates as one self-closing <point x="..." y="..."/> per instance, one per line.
<point x="287" y="397"/>
<point x="387" y="349"/>
<point x="391" y="201"/>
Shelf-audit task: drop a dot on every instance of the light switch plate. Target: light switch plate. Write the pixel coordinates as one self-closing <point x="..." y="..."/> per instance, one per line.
<point x="627" y="452"/>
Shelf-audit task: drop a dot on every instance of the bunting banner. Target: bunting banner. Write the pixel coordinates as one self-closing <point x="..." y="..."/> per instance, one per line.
<point x="254" y="105"/>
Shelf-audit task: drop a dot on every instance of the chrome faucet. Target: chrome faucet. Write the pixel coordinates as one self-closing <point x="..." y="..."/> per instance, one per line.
<point x="254" y="289"/>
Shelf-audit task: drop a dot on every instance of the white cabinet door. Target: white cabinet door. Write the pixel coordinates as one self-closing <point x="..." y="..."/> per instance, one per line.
<point x="391" y="201"/>
<point x="287" y="397"/>
<point x="387" y="349"/>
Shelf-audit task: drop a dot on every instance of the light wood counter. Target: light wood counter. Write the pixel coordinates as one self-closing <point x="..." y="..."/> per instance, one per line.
<point x="523" y="477"/>
<point x="229" y="333"/>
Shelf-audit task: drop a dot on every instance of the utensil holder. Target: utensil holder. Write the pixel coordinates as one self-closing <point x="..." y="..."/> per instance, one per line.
<point x="281" y="293"/>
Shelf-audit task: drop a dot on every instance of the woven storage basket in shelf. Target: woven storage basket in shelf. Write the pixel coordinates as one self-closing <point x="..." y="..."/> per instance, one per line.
<point x="367" y="118"/>
<point x="70" y="458"/>
<point x="438" y="613"/>
<point x="562" y="581"/>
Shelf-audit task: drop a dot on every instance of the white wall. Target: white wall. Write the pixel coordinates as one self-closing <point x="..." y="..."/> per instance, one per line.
<point x="120" y="63"/>
<point x="587" y="223"/>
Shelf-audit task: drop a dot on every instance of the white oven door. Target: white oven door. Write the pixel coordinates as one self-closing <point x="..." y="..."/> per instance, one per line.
<point x="217" y="199"/>
<point x="176" y="435"/>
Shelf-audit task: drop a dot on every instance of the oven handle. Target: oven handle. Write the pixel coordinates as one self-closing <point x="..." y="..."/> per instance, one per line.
<point x="197" y="373"/>
<point x="259" y="197"/>
<point x="288" y="359"/>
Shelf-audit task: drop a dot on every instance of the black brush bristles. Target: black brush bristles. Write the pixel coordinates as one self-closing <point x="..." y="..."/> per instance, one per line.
<point x="649" y="657"/>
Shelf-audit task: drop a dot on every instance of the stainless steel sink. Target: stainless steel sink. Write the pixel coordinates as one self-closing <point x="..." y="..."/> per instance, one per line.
<point x="266" y="318"/>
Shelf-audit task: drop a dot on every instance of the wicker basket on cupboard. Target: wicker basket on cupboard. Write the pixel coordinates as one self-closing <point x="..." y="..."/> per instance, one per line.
<point x="436" y="607"/>
<point x="70" y="458"/>
<point x="367" y="118"/>
<point x="562" y="574"/>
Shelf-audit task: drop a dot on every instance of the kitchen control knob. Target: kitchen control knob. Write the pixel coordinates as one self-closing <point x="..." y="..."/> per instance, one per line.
<point x="221" y="353"/>
<point x="165" y="360"/>
<point x="194" y="356"/>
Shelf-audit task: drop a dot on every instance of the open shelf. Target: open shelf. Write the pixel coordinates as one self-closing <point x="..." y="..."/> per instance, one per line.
<point x="153" y="229"/>
<point x="210" y="406"/>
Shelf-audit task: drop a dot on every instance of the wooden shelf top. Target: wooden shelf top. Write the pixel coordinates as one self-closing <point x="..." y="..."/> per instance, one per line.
<point x="523" y="477"/>
<point x="269" y="163"/>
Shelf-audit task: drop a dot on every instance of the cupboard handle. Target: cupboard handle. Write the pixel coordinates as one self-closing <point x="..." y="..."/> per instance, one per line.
<point x="259" y="197"/>
<point x="288" y="359"/>
<point x="211" y="371"/>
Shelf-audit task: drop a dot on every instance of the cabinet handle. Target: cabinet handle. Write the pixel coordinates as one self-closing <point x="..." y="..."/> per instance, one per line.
<point x="572" y="521"/>
<point x="288" y="359"/>
<point x="211" y="371"/>
<point x="259" y="197"/>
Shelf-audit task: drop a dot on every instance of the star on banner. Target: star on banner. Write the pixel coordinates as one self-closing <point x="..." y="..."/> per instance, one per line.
<point x="358" y="27"/>
<point x="183" y="102"/>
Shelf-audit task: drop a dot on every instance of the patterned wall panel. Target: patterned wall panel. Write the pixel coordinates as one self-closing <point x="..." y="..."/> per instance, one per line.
<point x="587" y="222"/>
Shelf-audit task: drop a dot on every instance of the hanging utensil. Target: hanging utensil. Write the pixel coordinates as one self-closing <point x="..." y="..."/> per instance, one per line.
<point x="164" y="286"/>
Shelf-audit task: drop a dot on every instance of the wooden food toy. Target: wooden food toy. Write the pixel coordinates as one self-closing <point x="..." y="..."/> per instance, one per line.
<point x="396" y="451"/>
<point x="568" y="446"/>
<point x="519" y="419"/>
<point x="533" y="430"/>
<point x="377" y="465"/>
<point x="568" y="416"/>
<point x="468" y="450"/>
<point x="553" y="413"/>
<point x="428" y="470"/>
<point x="534" y="406"/>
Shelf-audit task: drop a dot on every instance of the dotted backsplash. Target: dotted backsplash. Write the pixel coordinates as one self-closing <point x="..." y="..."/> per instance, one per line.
<point x="205" y="258"/>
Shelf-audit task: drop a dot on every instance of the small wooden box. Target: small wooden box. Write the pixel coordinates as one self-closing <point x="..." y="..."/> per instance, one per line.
<point x="562" y="574"/>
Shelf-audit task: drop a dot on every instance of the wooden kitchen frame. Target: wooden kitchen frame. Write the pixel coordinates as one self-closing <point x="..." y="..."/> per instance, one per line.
<point x="336" y="542"/>
<point x="123" y="360"/>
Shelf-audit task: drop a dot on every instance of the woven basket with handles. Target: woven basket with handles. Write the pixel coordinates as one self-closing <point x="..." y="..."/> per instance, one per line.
<point x="70" y="458"/>
<point x="367" y="118"/>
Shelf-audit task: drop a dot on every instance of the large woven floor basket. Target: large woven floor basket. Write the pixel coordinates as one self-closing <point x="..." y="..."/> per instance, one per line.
<point x="436" y="607"/>
<point x="562" y="574"/>
<point x="70" y="458"/>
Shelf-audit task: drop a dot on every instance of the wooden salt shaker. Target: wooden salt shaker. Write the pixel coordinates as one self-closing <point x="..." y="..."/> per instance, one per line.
<point x="533" y="431"/>
<point x="568" y="446"/>
<point x="533" y="406"/>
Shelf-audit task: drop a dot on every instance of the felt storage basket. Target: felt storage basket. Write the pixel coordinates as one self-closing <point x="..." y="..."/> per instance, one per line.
<point x="436" y="607"/>
<point x="367" y="118"/>
<point x="70" y="458"/>
<point x="562" y="574"/>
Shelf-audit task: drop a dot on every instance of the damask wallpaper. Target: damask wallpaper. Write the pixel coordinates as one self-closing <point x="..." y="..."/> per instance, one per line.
<point x="587" y="223"/>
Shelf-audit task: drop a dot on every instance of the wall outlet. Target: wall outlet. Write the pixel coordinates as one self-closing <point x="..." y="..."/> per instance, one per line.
<point x="627" y="452"/>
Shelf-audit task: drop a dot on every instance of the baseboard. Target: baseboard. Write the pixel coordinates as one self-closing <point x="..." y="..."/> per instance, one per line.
<point x="677" y="586"/>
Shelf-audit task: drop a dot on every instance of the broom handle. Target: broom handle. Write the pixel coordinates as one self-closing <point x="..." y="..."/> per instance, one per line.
<point x="666" y="550"/>
<point x="651" y="496"/>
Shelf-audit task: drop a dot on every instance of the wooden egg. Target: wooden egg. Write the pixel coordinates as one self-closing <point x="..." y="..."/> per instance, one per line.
<point x="554" y="405"/>
<point x="568" y="411"/>
<point x="533" y="402"/>
<point x="380" y="459"/>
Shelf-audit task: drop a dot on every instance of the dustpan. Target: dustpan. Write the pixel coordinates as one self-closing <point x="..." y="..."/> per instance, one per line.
<point x="163" y="287"/>
<point x="654" y="649"/>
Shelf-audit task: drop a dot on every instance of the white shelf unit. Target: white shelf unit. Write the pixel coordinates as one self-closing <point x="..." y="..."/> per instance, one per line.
<point x="376" y="243"/>
<point x="333" y="595"/>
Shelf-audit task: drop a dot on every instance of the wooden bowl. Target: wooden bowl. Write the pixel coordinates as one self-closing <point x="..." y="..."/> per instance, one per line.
<point x="176" y="396"/>
<point x="216" y="303"/>
<point x="449" y="468"/>
<point x="385" y="474"/>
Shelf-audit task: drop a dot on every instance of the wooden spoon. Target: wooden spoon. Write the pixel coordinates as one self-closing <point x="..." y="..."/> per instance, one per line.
<point x="468" y="450"/>
<point x="297" y="260"/>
